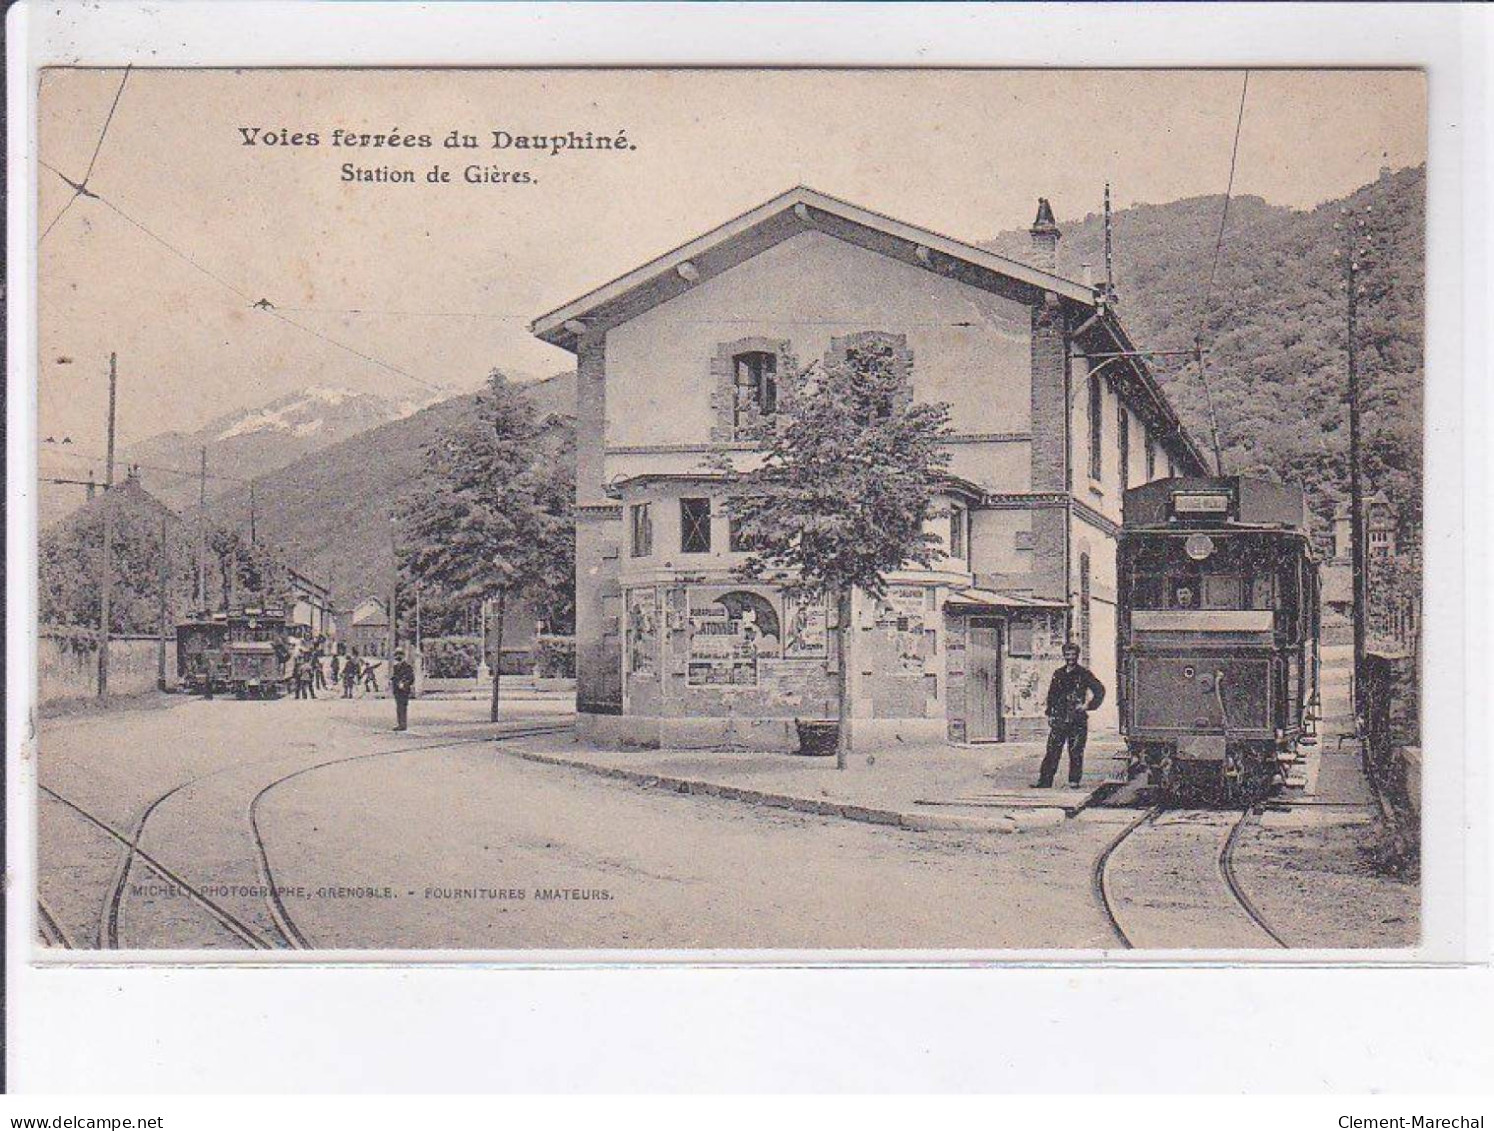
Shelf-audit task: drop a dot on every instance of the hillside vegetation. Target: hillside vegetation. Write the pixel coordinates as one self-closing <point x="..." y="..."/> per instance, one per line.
<point x="1275" y="325"/>
<point x="329" y="511"/>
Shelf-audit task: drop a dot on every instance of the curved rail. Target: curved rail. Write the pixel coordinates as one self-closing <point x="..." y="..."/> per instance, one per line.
<point x="1227" y="870"/>
<point x="1099" y="875"/>
<point x="50" y="929"/>
<point x="286" y="925"/>
<point x="234" y="925"/>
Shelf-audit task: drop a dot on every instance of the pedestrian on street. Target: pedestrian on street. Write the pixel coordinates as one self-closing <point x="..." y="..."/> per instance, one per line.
<point x="349" y="675"/>
<point x="318" y="673"/>
<point x="298" y="674"/>
<point x="370" y="674"/>
<point x="402" y="684"/>
<point x="1072" y="694"/>
<point x="336" y="666"/>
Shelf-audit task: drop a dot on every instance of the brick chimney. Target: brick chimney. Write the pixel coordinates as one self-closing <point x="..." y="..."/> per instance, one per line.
<point x="1045" y="237"/>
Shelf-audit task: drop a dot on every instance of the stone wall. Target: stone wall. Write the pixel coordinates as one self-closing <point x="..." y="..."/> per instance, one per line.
<point x="69" y="672"/>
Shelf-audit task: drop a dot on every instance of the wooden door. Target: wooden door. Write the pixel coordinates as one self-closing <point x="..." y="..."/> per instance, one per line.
<point x="983" y="682"/>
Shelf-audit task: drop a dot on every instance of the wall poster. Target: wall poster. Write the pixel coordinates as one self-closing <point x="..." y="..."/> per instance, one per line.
<point x="643" y="633"/>
<point x="730" y="630"/>
<point x="806" y="625"/>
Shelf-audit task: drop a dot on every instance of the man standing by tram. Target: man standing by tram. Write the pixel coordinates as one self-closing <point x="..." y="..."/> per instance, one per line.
<point x="1072" y="694"/>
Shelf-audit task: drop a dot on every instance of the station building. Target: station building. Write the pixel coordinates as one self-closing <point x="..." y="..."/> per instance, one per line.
<point x="678" y="360"/>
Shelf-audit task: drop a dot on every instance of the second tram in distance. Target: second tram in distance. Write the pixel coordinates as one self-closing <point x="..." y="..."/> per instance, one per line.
<point x="1218" y="624"/>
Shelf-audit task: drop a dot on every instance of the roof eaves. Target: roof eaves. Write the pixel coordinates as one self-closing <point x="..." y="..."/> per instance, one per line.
<point x="553" y="326"/>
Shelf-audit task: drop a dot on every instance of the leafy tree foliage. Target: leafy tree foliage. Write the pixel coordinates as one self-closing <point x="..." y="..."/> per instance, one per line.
<point x="486" y="519"/>
<point x="70" y="558"/>
<point x="846" y="485"/>
<point x="1276" y="325"/>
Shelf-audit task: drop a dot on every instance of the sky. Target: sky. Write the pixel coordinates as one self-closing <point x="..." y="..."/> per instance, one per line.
<point x="412" y="290"/>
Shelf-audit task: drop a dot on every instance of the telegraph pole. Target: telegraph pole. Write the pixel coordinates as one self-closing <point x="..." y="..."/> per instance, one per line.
<point x="162" y="579"/>
<point x="1203" y="377"/>
<point x="251" y="513"/>
<point x="107" y="579"/>
<point x="202" y="585"/>
<point x="1356" y="246"/>
<point x="1354" y="254"/>
<point x="393" y="592"/>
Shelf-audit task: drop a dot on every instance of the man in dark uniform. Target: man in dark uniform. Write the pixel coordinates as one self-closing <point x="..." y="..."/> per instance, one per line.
<point x="1072" y="694"/>
<point x="402" y="683"/>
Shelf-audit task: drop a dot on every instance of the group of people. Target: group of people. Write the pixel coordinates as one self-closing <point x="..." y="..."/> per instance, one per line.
<point x="307" y="666"/>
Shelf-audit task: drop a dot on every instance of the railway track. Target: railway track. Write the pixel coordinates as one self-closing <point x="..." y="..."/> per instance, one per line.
<point x="1167" y="880"/>
<point x="287" y="934"/>
<point x="295" y="938"/>
<point x="52" y="934"/>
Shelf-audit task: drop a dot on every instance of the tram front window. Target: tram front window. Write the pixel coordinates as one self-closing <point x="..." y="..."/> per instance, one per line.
<point x="1200" y="590"/>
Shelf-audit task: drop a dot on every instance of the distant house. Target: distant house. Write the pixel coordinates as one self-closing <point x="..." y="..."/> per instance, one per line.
<point x="365" y="628"/>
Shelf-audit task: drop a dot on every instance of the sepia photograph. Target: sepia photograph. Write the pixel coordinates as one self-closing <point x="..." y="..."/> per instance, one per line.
<point x="729" y="511"/>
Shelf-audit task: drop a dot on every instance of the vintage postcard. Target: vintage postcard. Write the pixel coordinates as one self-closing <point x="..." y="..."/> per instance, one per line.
<point x="763" y="511"/>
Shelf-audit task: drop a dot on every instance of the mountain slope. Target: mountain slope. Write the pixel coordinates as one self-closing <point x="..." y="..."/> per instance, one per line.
<point x="1275" y="325"/>
<point x="242" y="445"/>
<point x="328" y="511"/>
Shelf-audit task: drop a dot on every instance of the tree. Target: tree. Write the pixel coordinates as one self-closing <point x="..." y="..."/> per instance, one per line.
<point x="844" y="489"/>
<point x="481" y="523"/>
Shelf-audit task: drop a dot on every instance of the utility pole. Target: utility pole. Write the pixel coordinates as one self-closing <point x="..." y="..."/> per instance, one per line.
<point x="1109" y="251"/>
<point x="1356" y="247"/>
<point x="162" y="580"/>
<point x="393" y="592"/>
<point x="251" y="513"/>
<point x="202" y="585"/>
<point x="1203" y="377"/>
<point x="419" y="646"/>
<point x="107" y="579"/>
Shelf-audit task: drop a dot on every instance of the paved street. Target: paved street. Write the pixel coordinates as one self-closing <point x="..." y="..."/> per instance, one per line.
<point x="427" y="839"/>
<point x="452" y="836"/>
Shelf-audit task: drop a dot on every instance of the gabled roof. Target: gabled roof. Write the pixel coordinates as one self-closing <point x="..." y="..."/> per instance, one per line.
<point x="800" y="209"/>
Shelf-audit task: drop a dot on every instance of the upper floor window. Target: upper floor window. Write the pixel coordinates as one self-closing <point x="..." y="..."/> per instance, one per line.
<point x="756" y="383"/>
<point x="642" y="529"/>
<point x="1096" y="426"/>
<point x="1123" y="431"/>
<point x="695" y="526"/>
<point x="957" y="532"/>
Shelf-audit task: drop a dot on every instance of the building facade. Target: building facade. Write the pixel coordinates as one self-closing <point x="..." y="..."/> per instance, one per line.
<point x="311" y="604"/>
<point x="364" y="628"/>
<point x="678" y="361"/>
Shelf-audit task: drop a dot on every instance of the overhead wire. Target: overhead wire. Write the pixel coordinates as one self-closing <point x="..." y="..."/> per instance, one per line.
<point x="103" y="133"/>
<point x="80" y="188"/>
<point x="1229" y="189"/>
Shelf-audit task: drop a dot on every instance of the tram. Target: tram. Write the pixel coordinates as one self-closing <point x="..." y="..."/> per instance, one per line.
<point x="1218" y="625"/>
<point x="241" y="651"/>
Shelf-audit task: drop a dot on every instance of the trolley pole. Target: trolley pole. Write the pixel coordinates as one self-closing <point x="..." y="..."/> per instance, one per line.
<point x="107" y="579"/>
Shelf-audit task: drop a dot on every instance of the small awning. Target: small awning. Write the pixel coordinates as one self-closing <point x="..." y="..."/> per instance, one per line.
<point x="975" y="600"/>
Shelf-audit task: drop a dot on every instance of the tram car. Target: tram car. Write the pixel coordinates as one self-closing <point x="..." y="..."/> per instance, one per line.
<point x="242" y="652"/>
<point x="1218" y="625"/>
<point x="199" y="654"/>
